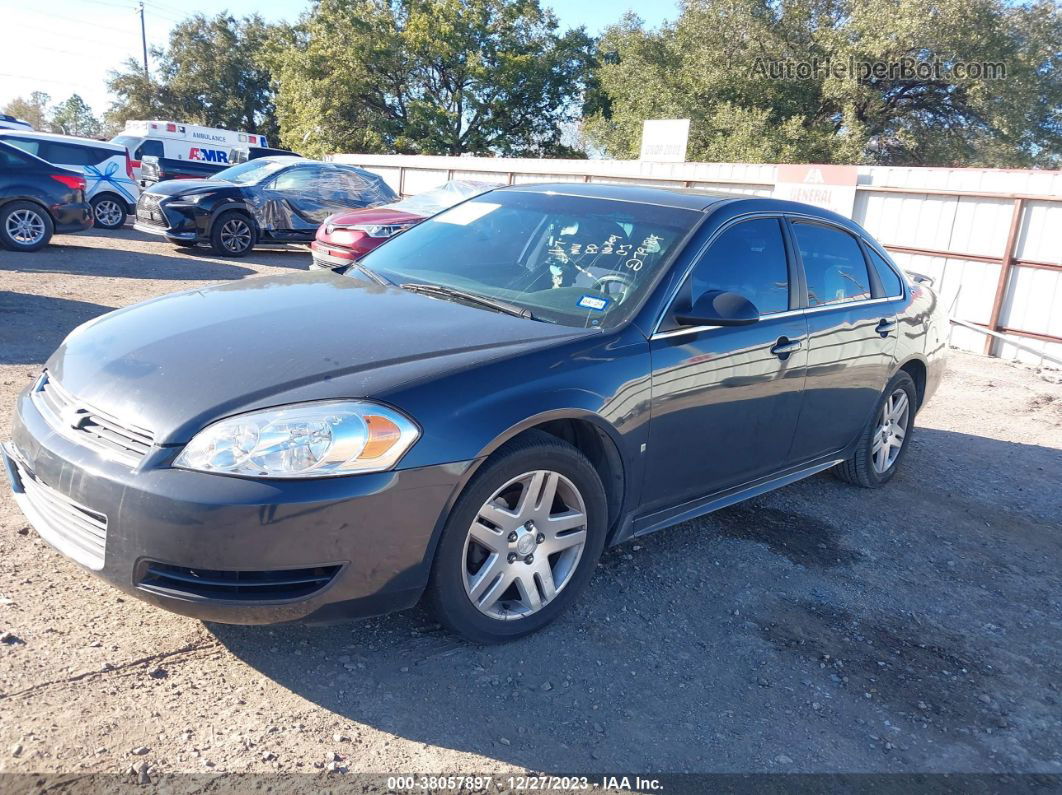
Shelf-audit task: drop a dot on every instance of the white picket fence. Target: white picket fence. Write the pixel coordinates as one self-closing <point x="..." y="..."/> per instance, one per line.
<point x="990" y="238"/>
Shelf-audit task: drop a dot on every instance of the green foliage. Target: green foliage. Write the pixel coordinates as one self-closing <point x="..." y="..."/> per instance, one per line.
<point x="212" y="73"/>
<point x="428" y="77"/>
<point x="34" y="110"/>
<point x="74" y="117"/>
<point x="713" y="66"/>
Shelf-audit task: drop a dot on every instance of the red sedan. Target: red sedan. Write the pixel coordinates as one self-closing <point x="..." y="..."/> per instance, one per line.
<point x="350" y="235"/>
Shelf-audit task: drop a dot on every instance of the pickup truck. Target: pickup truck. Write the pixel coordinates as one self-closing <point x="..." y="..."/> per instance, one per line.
<point x="159" y="169"/>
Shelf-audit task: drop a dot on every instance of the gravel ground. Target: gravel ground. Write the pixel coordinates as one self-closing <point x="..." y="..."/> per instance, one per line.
<point x="820" y="628"/>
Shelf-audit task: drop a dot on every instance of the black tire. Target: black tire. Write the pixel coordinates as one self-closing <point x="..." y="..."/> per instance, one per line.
<point x="860" y="470"/>
<point x="108" y="211"/>
<point x="223" y="233"/>
<point x="446" y="593"/>
<point x="36" y="215"/>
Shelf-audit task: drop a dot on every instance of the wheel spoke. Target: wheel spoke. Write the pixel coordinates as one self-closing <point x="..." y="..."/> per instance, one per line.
<point x="502" y="517"/>
<point x="566" y="541"/>
<point x="899" y="432"/>
<point x="544" y="575"/>
<point x="568" y="520"/>
<point x="494" y="540"/>
<point x="899" y="405"/>
<point x="489" y="582"/>
<point x="529" y="496"/>
<point x="878" y="444"/>
<point x="880" y="458"/>
<point x="525" y="584"/>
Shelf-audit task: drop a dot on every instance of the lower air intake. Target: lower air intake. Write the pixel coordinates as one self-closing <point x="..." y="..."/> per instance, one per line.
<point x="242" y="586"/>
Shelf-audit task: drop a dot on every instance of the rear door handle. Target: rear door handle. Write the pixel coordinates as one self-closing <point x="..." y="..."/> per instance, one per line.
<point x="885" y="327"/>
<point x="784" y="347"/>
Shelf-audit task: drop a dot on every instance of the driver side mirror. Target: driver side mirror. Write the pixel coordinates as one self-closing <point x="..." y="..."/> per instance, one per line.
<point x="718" y="308"/>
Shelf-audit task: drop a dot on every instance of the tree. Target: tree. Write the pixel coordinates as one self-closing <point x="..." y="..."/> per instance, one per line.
<point x="34" y="110"/>
<point x="74" y="117"/>
<point x="429" y="77"/>
<point x="212" y="73"/>
<point x="734" y="69"/>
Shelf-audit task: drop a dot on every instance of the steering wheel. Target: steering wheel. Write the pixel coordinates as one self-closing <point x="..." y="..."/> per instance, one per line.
<point x="625" y="284"/>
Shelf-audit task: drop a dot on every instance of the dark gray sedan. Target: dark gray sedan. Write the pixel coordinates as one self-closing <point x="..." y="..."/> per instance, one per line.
<point x="475" y="409"/>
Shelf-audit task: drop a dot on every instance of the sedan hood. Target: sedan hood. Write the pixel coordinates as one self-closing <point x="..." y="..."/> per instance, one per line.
<point x="176" y="363"/>
<point x="181" y="187"/>
<point x="372" y="215"/>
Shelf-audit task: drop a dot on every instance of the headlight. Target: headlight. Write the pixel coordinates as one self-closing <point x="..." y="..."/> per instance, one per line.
<point x="378" y="230"/>
<point x="304" y="440"/>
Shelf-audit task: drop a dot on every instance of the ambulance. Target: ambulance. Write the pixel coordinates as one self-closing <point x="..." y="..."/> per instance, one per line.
<point x="182" y="142"/>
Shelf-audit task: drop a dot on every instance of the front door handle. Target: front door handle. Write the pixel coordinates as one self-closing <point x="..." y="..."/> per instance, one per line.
<point x="785" y="346"/>
<point x="885" y="327"/>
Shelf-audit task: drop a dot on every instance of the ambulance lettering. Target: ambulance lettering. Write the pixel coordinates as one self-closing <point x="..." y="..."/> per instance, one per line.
<point x="208" y="155"/>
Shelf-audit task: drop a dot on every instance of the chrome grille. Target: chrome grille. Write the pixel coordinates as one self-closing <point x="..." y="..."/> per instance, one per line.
<point x="73" y="529"/>
<point x="87" y="425"/>
<point x="147" y="204"/>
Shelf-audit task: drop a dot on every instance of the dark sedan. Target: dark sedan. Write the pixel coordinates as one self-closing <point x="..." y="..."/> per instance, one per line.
<point x="475" y="410"/>
<point x="270" y="199"/>
<point x="38" y="199"/>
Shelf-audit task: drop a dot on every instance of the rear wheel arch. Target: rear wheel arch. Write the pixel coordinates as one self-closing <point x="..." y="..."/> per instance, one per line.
<point x="919" y="372"/>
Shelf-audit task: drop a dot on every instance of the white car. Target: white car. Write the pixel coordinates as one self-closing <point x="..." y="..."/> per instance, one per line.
<point x="8" y="122"/>
<point x="110" y="187"/>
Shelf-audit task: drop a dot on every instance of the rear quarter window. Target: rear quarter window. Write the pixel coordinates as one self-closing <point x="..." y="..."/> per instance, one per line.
<point x="890" y="281"/>
<point x="68" y="154"/>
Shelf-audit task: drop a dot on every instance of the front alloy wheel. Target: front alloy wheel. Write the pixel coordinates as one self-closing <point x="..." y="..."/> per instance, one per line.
<point x="524" y="545"/>
<point x="232" y="234"/>
<point x="520" y="542"/>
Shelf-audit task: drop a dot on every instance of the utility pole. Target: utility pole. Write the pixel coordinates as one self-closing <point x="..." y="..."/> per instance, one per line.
<point x="143" y="39"/>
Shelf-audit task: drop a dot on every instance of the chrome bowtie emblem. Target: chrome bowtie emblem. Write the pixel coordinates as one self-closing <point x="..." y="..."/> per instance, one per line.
<point x="73" y="416"/>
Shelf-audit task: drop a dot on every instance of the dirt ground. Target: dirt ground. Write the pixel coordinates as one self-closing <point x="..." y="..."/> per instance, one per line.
<point x="820" y="628"/>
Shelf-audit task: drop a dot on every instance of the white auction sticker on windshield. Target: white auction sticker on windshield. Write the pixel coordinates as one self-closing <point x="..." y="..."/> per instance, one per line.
<point x="466" y="213"/>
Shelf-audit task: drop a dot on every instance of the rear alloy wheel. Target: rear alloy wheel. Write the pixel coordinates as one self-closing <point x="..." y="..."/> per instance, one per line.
<point x="107" y="213"/>
<point x="884" y="442"/>
<point x="232" y="234"/>
<point x="25" y="226"/>
<point x="521" y="541"/>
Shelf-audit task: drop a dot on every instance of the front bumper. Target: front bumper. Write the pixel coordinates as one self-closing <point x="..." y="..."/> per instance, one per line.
<point x="174" y="221"/>
<point x="368" y="539"/>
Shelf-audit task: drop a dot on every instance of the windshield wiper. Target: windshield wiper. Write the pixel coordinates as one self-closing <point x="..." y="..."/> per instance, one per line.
<point x="443" y="291"/>
<point x="376" y="277"/>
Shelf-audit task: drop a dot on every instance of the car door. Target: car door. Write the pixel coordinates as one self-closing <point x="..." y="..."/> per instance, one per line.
<point x="851" y="338"/>
<point x="725" y="400"/>
<point x="293" y="202"/>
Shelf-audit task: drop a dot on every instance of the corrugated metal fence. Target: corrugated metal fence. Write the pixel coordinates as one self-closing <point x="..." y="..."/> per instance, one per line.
<point x="990" y="238"/>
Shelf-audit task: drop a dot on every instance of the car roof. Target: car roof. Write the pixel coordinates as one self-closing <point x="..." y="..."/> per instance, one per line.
<point x="66" y="139"/>
<point x="685" y="198"/>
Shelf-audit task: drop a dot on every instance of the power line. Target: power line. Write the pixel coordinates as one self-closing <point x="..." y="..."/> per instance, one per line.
<point x="51" y="15"/>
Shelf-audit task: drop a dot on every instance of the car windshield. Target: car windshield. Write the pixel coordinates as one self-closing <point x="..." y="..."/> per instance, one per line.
<point x="446" y="195"/>
<point x="572" y="260"/>
<point x="251" y="172"/>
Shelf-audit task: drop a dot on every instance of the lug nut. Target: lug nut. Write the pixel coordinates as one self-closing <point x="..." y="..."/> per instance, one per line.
<point x="512" y="537"/>
<point x="512" y="557"/>
<point x="530" y="526"/>
<point x="539" y="538"/>
<point x="529" y="559"/>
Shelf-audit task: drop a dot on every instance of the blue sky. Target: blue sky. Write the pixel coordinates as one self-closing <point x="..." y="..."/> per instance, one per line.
<point x="69" y="46"/>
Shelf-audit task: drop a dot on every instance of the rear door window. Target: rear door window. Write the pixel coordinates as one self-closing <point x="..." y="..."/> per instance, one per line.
<point x="834" y="267"/>
<point x="68" y="154"/>
<point x="748" y="259"/>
